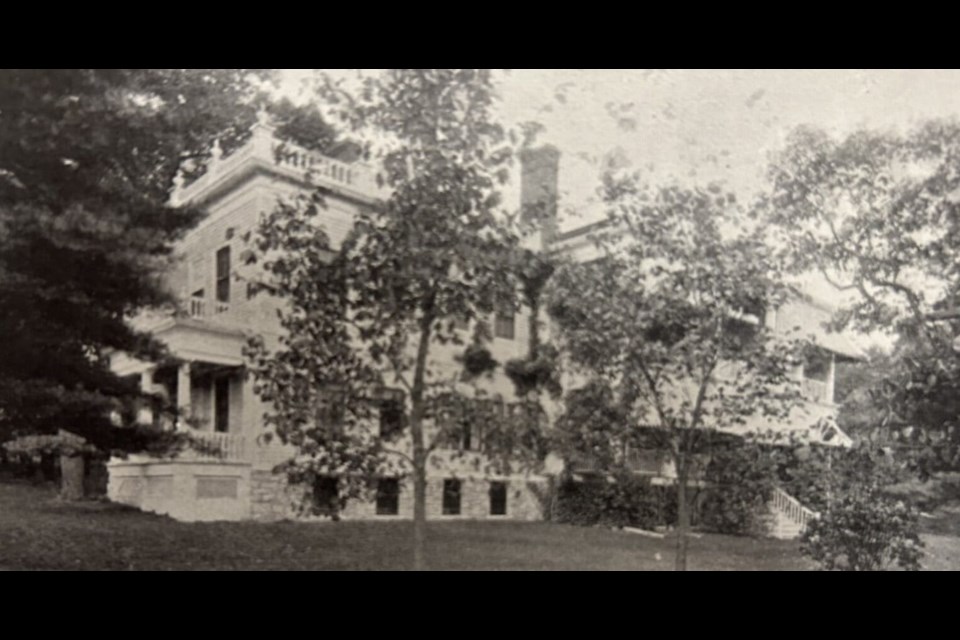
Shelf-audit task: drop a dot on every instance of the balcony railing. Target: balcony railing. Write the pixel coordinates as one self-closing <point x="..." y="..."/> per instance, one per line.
<point x="213" y="446"/>
<point x="265" y="149"/>
<point x="199" y="307"/>
<point x="815" y="390"/>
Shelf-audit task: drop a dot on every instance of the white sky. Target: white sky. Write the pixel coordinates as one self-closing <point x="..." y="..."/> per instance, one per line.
<point x="703" y="125"/>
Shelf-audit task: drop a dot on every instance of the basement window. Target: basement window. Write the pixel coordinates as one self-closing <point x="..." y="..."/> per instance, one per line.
<point x="451" y="497"/>
<point x="388" y="497"/>
<point x="498" y="498"/>
<point x="326" y="496"/>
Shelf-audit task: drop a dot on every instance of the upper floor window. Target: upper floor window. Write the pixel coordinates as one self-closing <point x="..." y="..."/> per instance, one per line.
<point x="392" y="414"/>
<point x="503" y="324"/>
<point x="223" y="275"/>
<point x="331" y="409"/>
<point x="461" y="322"/>
<point x="816" y="365"/>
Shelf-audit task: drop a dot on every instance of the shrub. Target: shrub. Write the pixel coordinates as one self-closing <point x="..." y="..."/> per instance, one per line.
<point x="619" y="502"/>
<point x="864" y="531"/>
<point x="740" y="482"/>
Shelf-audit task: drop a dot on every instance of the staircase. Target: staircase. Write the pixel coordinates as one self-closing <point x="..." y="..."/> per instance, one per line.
<point x="790" y="517"/>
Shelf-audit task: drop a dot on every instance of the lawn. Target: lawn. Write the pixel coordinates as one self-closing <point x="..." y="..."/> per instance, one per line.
<point x="39" y="532"/>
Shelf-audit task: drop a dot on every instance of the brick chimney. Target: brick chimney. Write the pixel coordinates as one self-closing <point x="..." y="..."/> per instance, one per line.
<point x="539" y="170"/>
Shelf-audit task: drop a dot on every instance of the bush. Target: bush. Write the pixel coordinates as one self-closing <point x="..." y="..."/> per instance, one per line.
<point x="621" y="502"/>
<point x="741" y="479"/>
<point x="736" y="510"/>
<point x="864" y="531"/>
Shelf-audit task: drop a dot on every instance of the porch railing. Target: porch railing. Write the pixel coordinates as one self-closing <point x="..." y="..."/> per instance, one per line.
<point x="790" y="507"/>
<point x="217" y="446"/>
<point x="815" y="390"/>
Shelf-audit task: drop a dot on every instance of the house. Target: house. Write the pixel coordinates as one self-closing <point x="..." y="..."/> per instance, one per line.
<point x="232" y="476"/>
<point x="812" y="420"/>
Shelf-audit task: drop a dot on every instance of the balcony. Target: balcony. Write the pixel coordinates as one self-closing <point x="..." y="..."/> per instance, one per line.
<point x="265" y="152"/>
<point x="816" y="391"/>
<point x="216" y="447"/>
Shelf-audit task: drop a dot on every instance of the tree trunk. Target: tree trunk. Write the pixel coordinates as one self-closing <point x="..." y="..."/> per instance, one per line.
<point x="420" y="452"/>
<point x="683" y="516"/>
<point x="419" y="513"/>
<point x="71" y="477"/>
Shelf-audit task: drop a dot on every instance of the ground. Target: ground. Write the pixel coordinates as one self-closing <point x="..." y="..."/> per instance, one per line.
<point x="39" y="532"/>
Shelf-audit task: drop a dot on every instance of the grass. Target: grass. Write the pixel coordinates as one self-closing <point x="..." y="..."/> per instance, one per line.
<point x="39" y="532"/>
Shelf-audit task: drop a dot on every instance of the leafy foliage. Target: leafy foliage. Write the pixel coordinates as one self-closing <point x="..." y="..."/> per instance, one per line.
<point x="876" y="214"/>
<point x="434" y="251"/>
<point x="656" y="324"/>
<point x="740" y="480"/>
<point x="627" y="501"/>
<point x="864" y="531"/>
<point x="477" y="360"/>
<point x="87" y="163"/>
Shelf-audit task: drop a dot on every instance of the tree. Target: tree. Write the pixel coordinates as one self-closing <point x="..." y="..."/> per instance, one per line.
<point x="666" y="328"/>
<point x="877" y="214"/>
<point x="88" y="158"/>
<point x="372" y="312"/>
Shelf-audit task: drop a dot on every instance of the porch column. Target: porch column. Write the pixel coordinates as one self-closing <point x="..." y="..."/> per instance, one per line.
<point x="145" y="412"/>
<point x="183" y="395"/>
<point x="831" y="378"/>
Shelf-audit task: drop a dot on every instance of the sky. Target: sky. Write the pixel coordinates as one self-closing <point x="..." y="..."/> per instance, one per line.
<point x="702" y="125"/>
<point x="697" y="126"/>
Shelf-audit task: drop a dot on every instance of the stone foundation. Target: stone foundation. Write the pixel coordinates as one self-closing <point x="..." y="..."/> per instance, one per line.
<point x="272" y="498"/>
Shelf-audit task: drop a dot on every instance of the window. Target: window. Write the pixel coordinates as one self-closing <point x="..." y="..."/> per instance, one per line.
<point x="332" y="408"/>
<point x="498" y="498"/>
<point x="388" y="497"/>
<point x="816" y="365"/>
<point x="503" y="324"/>
<point x="451" y="497"/>
<point x="392" y="414"/>
<point x="326" y="495"/>
<point x="221" y="405"/>
<point x="223" y="275"/>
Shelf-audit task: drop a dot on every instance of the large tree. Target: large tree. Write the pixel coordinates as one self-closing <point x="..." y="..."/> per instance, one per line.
<point x="877" y="214"/>
<point x="434" y="253"/>
<point x="664" y="327"/>
<point x="88" y="158"/>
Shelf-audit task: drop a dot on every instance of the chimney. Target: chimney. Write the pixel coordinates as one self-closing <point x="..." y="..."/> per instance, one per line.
<point x="539" y="169"/>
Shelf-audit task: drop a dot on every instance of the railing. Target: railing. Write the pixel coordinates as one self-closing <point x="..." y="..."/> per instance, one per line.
<point x="198" y="307"/>
<point x="266" y="149"/>
<point x="217" y="446"/>
<point x="316" y="165"/>
<point x="815" y="390"/>
<point x="790" y="507"/>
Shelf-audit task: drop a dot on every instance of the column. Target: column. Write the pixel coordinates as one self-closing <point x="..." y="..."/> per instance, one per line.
<point x="831" y="378"/>
<point x="145" y="411"/>
<point x="183" y="395"/>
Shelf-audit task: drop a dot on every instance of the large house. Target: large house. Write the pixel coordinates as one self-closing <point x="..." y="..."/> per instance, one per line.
<point x="234" y="478"/>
